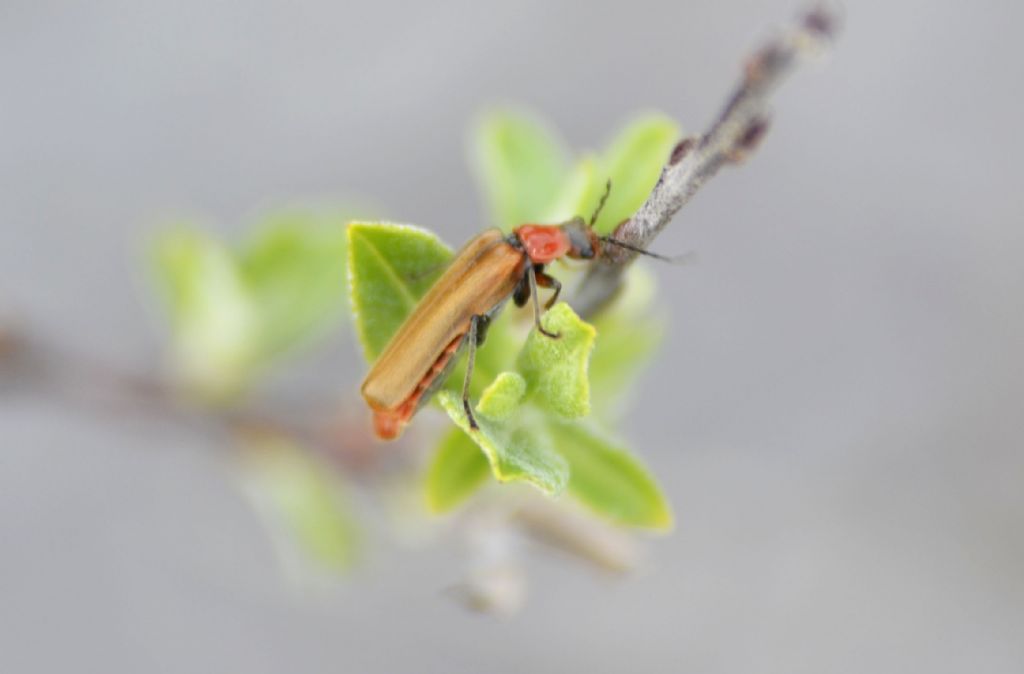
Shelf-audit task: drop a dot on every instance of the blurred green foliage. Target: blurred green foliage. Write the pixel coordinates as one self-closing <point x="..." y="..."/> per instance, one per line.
<point x="523" y="165"/>
<point x="234" y="311"/>
<point x="527" y="176"/>
<point x="305" y="498"/>
<point x="457" y="470"/>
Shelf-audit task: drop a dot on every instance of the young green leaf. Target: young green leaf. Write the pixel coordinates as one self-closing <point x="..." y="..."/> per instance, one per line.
<point x="521" y="164"/>
<point x="213" y="314"/>
<point x="501" y="399"/>
<point x="390" y="267"/>
<point x="301" y="494"/>
<point x="295" y="271"/>
<point x="232" y="313"/>
<point x="527" y="178"/>
<point x="609" y="480"/>
<point x="633" y="162"/>
<point x="580" y="191"/>
<point x="516" y="451"/>
<point x="555" y="370"/>
<point x="457" y="470"/>
<point x="628" y="331"/>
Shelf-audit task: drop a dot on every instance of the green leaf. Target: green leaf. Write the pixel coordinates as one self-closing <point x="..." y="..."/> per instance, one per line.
<point x="390" y="267"/>
<point x="233" y="313"/>
<point x="521" y="163"/>
<point x="629" y="332"/>
<point x="516" y="451"/>
<point x="609" y="480"/>
<point x="633" y="162"/>
<point x="295" y="270"/>
<point x="581" y="189"/>
<point x="457" y="470"/>
<point x="501" y="399"/>
<point x="213" y="314"/>
<point x="527" y="178"/>
<point x="555" y="370"/>
<point x="304" y="497"/>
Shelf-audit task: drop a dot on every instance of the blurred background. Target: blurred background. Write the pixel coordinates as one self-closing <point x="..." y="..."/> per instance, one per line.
<point x="835" y="414"/>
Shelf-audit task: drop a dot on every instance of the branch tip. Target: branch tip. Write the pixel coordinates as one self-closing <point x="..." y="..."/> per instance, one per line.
<point x="734" y="136"/>
<point x="822" y="20"/>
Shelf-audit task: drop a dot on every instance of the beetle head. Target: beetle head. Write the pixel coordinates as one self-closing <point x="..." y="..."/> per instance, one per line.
<point x="584" y="244"/>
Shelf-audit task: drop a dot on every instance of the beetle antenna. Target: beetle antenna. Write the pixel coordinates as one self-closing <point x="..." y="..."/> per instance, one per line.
<point x="673" y="259"/>
<point x="600" y="204"/>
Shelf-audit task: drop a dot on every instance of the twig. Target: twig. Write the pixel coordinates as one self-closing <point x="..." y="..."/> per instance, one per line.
<point x="733" y="136"/>
<point x="29" y="360"/>
<point x="580" y="534"/>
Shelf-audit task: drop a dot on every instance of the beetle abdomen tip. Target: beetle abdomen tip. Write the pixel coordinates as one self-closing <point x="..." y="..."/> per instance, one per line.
<point x="388" y="424"/>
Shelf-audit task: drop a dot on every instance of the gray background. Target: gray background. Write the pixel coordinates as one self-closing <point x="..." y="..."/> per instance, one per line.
<point x="836" y="416"/>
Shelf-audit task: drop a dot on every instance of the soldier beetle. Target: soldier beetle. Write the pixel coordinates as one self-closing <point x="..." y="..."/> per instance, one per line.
<point x="460" y="305"/>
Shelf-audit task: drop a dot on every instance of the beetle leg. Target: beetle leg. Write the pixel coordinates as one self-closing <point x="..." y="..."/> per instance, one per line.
<point x="471" y="356"/>
<point x="545" y="281"/>
<point x="483" y="321"/>
<point x="521" y="294"/>
<point x="532" y="276"/>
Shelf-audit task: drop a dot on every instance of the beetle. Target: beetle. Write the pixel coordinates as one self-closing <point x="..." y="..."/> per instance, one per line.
<point x="458" y="308"/>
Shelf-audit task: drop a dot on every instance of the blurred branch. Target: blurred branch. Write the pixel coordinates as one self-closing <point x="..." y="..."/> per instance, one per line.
<point x="579" y="534"/>
<point x="732" y="137"/>
<point x="30" y="361"/>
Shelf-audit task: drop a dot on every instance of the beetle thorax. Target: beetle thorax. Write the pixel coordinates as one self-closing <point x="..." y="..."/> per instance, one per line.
<point x="543" y="243"/>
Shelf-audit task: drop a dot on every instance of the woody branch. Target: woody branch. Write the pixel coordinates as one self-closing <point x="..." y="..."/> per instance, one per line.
<point x="732" y="137"/>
